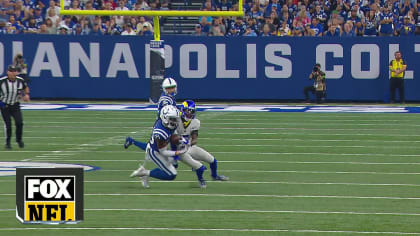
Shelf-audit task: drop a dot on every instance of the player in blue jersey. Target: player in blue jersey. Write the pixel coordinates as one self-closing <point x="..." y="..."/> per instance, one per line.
<point x="167" y="97"/>
<point x="157" y="147"/>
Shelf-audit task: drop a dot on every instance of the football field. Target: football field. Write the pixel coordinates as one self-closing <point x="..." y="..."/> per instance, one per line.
<point x="290" y="174"/>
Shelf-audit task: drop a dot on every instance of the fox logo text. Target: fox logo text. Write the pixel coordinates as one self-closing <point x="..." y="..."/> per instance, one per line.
<point x="50" y="197"/>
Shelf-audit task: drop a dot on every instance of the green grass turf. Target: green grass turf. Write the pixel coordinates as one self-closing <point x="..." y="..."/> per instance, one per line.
<point x="291" y="174"/>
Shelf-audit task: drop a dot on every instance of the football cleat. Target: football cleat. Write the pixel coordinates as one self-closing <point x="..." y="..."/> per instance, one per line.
<point x="8" y="146"/>
<point x="128" y="142"/>
<point x="220" y="178"/>
<point x="140" y="172"/>
<point x="21" y="144"/>
<point x="202" y="183"/>
<point x="145" y="181"/>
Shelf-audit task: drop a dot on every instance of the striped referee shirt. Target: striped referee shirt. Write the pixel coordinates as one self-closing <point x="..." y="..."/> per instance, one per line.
<point x="10" y="92"/>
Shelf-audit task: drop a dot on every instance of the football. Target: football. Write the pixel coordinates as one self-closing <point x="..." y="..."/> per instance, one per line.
<point x="175" y="139"/>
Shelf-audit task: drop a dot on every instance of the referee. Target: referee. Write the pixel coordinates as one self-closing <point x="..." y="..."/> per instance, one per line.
<point x="12" y="89"/>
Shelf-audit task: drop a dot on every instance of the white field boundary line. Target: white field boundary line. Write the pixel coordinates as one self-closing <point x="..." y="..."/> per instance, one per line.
<point x="246" y="211"/>
<point x="266" y="139"/>
<point x="280" y="121"/>
<point x="208" y="124"/>
<point x="218" y="128"/>
<point x="214" y="229"/>
<point x="281" y="162"/>
<point x="253" y="145"/>
<point x="230" y="133"/>
<point x="237" y="196"/>
<point x="234" y="153"/>
<point x="247" y="182"/>
<point x="297" y="172"/>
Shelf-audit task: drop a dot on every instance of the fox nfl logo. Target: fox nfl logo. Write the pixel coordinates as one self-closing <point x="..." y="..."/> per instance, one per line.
<point x="49" y="195"/>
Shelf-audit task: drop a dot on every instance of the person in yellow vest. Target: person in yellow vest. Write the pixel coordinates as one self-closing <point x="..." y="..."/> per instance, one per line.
<point x="397" y="68"/>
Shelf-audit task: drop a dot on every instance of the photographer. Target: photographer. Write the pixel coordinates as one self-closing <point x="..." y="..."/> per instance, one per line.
<point x="20" y="65"/>
<point x="318" y="88"/>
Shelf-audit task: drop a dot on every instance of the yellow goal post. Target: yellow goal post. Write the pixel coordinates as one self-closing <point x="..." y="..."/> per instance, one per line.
<point x="155" y="14"/>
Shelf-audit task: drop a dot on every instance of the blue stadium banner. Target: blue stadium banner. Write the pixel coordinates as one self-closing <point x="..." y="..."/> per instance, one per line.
<point x="111" y="67"/>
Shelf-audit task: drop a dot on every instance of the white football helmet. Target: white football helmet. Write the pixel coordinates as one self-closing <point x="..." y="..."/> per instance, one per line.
<point x="169" y="116"/>
<point x="169" y="83"/>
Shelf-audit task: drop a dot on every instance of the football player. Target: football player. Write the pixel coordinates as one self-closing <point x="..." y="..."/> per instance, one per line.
<point x="169" y="90"/>
<point x="188" y="128"/>
<point x="157" y="147"/>
<point x="157" y="151"/>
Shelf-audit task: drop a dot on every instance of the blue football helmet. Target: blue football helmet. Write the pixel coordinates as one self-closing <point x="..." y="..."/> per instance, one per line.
<point x="188" y="110"/>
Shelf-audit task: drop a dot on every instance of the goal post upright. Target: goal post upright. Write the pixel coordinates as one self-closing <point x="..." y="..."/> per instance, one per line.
<point x="157" y="59"/>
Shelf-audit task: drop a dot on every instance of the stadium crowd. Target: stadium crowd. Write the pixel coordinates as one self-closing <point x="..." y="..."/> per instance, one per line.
<point x="330" y="18"/>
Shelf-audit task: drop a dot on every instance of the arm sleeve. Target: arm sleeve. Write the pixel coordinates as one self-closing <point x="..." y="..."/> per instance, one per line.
<point x="167" y="153"/>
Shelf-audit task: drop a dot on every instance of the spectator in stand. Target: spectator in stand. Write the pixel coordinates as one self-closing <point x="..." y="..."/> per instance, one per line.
<point x="14" y="27"/>
<point x="316" y="27"/>
<point x="239" y="26"/>
<point x="128" y="30"/>
<point x="406" y="28"/>
<point x="96" y="30"/>
<point x="224" y="5"/>
<point x="250" y="32"/>
<point x="77" y="29"/>
<point x="386" y="27"/>
<point x="274" y="19"/>
<point x="357" y="21"/>
<point x="143" y="4"/>
<point x="256" y="13"/>
<point x="67" y="22"/>
<point x="348" y="31"/>
<point x="205" y="25"/>
<point x="43" y="29"/>
<point x="147" y="31"/>
<point x="286" y="19"/>
<point x="197" y="31"/>
<point x="3" y="15"/>
<point x="217" y="29"/>
<point x="57" y="8"/>
<point x="31" y="27"/>
<point x="284" y="30"/>
<point x="370" y="25"/>
<point x="266" y="32"/>
<point x="309" y="31"/>
<point x="405" y="6"/>
<point x="63" y="30"/>
<point x="142" y="23"/>
<point x="252" y="23"/>
<point x="119" y="20"/>
<point x="320" y="15"/>
<point x="51" y="27"/>
<point x="55" y="19"/>
<point x="333" y="31"/>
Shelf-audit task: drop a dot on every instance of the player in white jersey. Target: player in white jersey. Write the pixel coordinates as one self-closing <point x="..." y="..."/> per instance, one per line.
<point x="188" y="128"/>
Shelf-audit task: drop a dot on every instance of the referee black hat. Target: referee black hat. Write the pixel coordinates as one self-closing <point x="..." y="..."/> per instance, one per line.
<point x="12" y="68"/>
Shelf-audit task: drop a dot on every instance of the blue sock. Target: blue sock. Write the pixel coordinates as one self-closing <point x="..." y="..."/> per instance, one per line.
<point x="139" y="144"/>
<point x="213" y="168"/>
<point x="160" y="174"/>
<point x="200" y="172"/>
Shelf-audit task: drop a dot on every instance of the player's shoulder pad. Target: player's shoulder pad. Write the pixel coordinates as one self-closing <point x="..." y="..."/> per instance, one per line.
<point x="195" y="124"/>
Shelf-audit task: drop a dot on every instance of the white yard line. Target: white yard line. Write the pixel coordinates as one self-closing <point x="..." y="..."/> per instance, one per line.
<point x="250" y="182"/>
<point x="305" y="231"/>
<point x="247" y="211"/>
<point x="238" y="196"/>
<point x="298" y="172"/>
<point x="258" y="161"/>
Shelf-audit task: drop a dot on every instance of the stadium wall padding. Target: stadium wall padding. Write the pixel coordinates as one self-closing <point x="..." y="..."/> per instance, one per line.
<point x="265" y="68"/>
